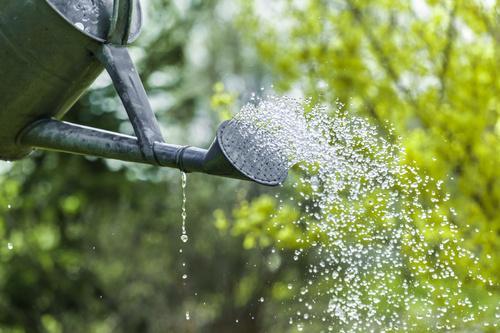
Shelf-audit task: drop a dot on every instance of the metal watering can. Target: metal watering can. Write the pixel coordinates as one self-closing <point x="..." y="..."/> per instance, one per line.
<point x="50" y="53"/>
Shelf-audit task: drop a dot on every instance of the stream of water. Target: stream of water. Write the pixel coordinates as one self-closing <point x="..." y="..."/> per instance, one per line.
<point x="379" y="234"/>
<point x="184" y="236"/>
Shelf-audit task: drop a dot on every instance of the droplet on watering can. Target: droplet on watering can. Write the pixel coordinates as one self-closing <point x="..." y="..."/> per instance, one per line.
<point x="80" y="26"/>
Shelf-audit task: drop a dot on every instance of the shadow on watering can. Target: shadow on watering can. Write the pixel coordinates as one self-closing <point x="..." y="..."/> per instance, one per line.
<point x="50" y="53"/>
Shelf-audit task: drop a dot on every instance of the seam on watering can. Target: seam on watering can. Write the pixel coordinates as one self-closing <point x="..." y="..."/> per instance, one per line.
<point x="29" y="127"/>
<point x="179" y="161"/>
<point x="13" y="47"/>
<point x="266" y="181"/>
<point x="155" y="156"/>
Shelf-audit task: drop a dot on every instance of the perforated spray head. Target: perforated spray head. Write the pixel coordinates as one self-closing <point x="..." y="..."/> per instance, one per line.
<point x="246" y="151"/>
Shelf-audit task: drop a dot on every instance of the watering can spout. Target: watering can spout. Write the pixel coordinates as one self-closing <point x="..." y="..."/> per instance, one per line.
<point x="234" y="153"/>
<point x="223" y="158"/>
<point x="216" y="163"/>
<point x="239" y="151"/>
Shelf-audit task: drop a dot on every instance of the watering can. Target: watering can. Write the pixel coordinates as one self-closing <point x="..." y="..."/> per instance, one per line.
<point x="50" y="53"/>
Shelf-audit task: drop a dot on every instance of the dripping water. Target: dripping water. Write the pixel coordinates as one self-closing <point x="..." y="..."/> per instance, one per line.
<point x="184" y="236"/>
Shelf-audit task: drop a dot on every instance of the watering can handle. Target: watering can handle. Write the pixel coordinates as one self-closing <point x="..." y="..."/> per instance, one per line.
<point x="129" y="87"/>
<point x="121" y="20"/>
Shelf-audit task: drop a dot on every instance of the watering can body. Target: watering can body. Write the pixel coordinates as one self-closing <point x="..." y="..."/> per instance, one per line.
<point x="45" y="66"/>
<point x="50" y="53"/>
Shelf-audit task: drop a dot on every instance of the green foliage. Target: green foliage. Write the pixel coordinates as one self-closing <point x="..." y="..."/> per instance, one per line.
<point x="264" y="222"/>
<point x="222" y="102"/>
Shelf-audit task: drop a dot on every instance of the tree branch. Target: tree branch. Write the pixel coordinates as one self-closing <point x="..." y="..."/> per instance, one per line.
<point x="450" y="35"/>
<point x="379" y="52"/>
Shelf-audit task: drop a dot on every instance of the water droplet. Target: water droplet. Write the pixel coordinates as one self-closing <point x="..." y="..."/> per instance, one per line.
<point x="10" y="246"/>
<point x="80" y="26"/>
<point x="184" y="236"/>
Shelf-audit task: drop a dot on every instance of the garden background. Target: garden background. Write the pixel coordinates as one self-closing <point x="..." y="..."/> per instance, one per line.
<point x="92" y="245"/>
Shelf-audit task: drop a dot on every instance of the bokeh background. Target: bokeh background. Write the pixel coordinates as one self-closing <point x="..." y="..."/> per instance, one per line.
<point x="89" y="245"/>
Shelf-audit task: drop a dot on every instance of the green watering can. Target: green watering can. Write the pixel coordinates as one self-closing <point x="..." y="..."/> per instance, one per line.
<point x="50" y="53"/>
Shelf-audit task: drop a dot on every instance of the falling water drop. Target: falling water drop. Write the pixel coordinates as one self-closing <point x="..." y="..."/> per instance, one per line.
<point x="80" y="26"/>
<point x="184" y="236"/>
